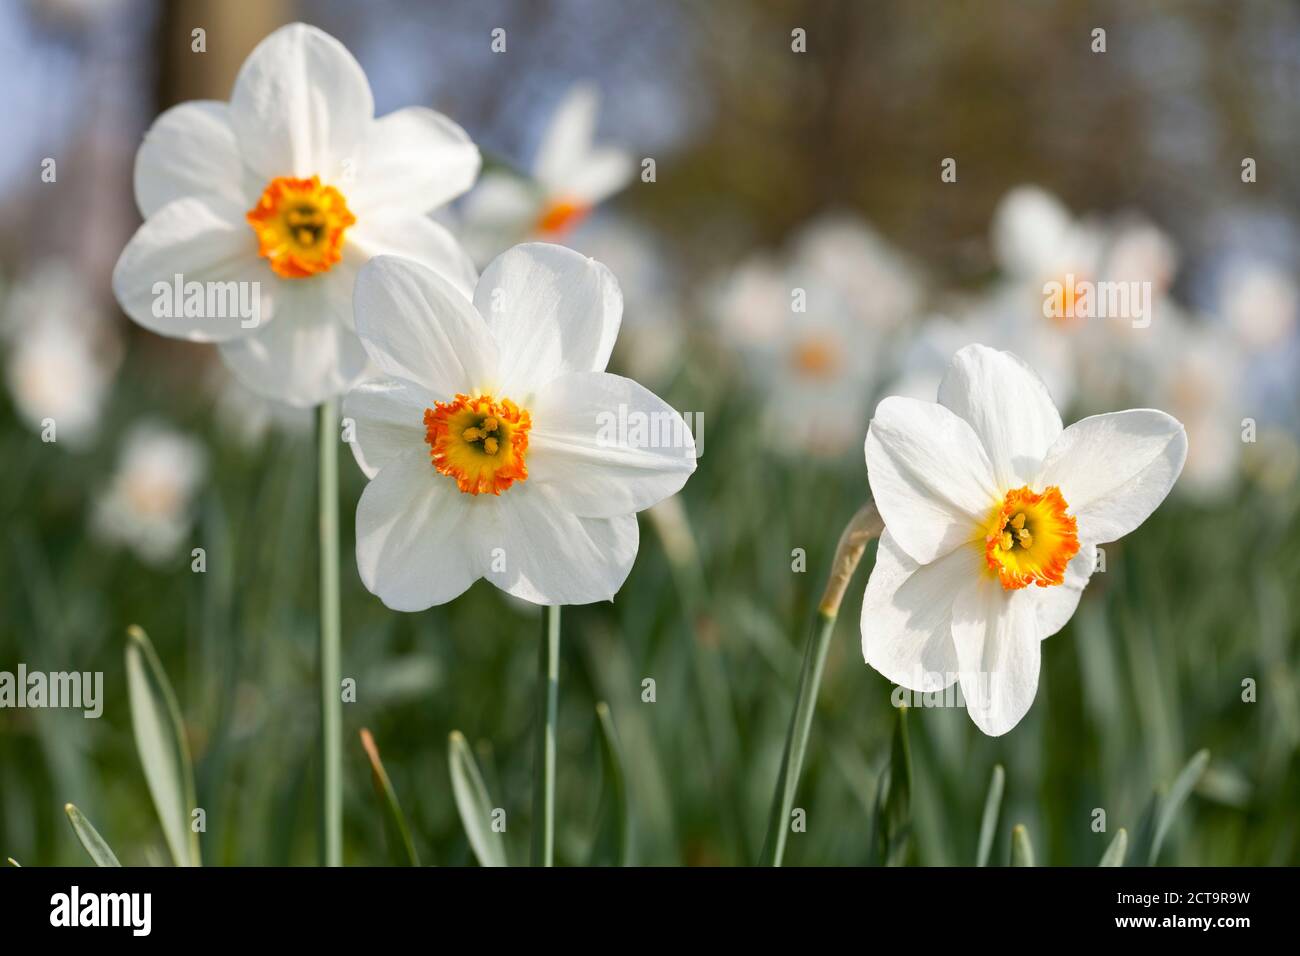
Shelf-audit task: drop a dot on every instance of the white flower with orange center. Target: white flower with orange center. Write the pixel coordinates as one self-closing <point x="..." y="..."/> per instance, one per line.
<point x="571" y="175"/>
<point x="993" y="513"/>
<point x="497" y="446"/>
<point x="293" y="185"/>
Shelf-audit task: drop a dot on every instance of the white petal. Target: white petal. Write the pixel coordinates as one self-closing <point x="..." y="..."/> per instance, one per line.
<point x="309" y="353"/>
<point x="929" y="475"/>
<point x="415" y="325"/>
<point x="550" y="556"/>
<point x="1055" y="605"/>
<point x="414" y="549"/>
<point x="190" y="150"/>
<point x="603" y="173"/>
<point x="907" y="615"/>
<point x="1114" y="470"/>
<point x="389" y="419"/>
<point x="204" y="241"/>
<point x="551" y="311"/>
<point x="568" y="136"/>
<point x="1008" y="406"/>
<point x="417" y="238"/>
<point x="997" y="638"/>
<point x="605" y="446"/>
<point x="413" y="160"/>
<point x="301" y="106"/>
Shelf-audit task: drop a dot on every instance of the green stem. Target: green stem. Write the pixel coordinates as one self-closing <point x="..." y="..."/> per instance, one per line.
<point x="548" y="674"/>
<point x="330" y="667"/>
<point x="862" y="527"/>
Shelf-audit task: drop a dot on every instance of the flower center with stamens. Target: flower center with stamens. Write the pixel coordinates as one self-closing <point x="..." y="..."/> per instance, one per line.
<point x="481" y="442"/>
<point x="560" y="215"/>
<point x="299" y="225"/>
<point x="1029" y="539"/>
<point x="814" y="358"/>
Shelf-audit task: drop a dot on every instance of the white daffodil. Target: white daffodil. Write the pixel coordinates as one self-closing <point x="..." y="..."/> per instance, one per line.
<point x="497" y="447"/>
<point x="148" y="505"/>
<point x="570" y="176"/>
<point x="271" y="203"/>
<point x="62" y="354"/>
<point x="993" y="513"/>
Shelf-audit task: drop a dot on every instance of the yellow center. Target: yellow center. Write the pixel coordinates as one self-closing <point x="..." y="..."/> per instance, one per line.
<point x="558" y="216"/>
<point x="299" y="225"/>
<point x="1029" y="539"/>
<point x="478" y="441"/>
<point x="1067" y="301"/>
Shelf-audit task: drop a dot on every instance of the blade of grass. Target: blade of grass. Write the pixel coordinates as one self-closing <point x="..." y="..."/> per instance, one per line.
<point x="1022" y="850"/>
<point x="98" y="849"/>
<point x="862" y="527"/>
<point x="395" y="826"/>
<point x="612" y="751"/>
<point x="1115" y="853"/>
<point x="992" y="809"/>
<point x="895" y="818"/>
<point x="474" y="803"/>
<point x="164" y="752"/>
<point x="1174" y="800"/>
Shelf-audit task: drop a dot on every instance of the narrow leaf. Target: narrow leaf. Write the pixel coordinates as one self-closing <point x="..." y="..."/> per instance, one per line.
<point x="398" y="833"/>
<point x="992" y="809"/>
<point x="1022" y="851"/>
<point x="897" y="811"/>
<point x="160" y="740"/>
<point x="474" y="804"/>
<point x="1114" y="855"/>
<point x="100" y="852"/>
<point x="1174" y="800"/>
<point x="612" y="751"/>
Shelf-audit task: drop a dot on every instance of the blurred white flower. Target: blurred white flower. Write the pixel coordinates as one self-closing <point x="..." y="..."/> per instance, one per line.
<point x="993" y="513"/>
<point x="814" y="327"/>
<point x="292" y="185"/>
<point x="148" y="505"/>
<point x="62" y="353"/>
<point x="246" y="418"/>
<point x="570" y="176"/>
<point x="651" y="337"/>
<point x="498" y="447"/>
<point x="1260" y="302"/>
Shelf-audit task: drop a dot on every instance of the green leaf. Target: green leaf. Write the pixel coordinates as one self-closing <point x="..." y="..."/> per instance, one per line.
<point x="99" y="851"/>
<point x="612" y="752"/>
<point x="400" y="844"/>
<point x="1173" y="801"/>
<point x="1114" y="855"/>
<point x="992" y="809"/>
<point x="894" y="819"/>
<point x="160" y="741"/>
<point x="1022" y="851"/>
<point x="474" y="804"/>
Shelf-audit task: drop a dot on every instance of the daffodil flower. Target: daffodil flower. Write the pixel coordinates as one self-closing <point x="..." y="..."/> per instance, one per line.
<point x="497" y="446"/>
<point x="571" y="176"/>
<point x="293" y="184"/>
<point x="993" y="513"/>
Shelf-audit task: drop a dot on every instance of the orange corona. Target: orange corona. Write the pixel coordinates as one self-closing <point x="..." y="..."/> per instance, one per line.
<point x="480" y="442"/>
<point x="1030" y="539"/>
<point x="558" y="216"/>
<point x="299" y="225"/>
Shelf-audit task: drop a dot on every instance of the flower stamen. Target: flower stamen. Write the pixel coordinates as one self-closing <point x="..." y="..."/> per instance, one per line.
<point x="479" y="441"/>
<point x="1030" y="539"/>
<point x="299" y="225"/>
